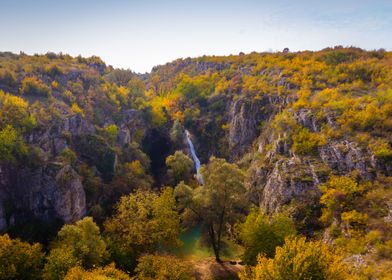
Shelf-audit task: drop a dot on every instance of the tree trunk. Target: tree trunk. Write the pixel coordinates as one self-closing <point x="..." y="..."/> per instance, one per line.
<point x="214" y="244"/>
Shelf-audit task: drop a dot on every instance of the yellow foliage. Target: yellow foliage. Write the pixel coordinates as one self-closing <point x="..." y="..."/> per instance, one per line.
<point x="107" y="273"/>
<point x="298" y="260"/>
<point x="19" y="260"/>
<point x="76" y="109"/>
<point x="166" y="267"/>
<point x="55" y="84"/>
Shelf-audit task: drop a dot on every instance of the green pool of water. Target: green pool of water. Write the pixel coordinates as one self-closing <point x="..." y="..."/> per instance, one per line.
<point x="194" y="247"/>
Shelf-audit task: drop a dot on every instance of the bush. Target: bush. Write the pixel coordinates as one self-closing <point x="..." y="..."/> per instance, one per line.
<point x="261" y="234"/>
<point x="7" y="78"/>
<point x="381" y="149"/>
<point x="111" y="132"/>
<point x="33" y="86"/>
<point x="156" y="267"/>
<point x="298" y="260"/>
<point x="67" y="156"/>
<point x="13" y="110"/>
<point x="306" y="142"/>
<point x="11" y="145"/>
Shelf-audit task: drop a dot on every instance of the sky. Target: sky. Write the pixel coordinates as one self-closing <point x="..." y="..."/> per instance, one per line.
<point x="138" y="35"/>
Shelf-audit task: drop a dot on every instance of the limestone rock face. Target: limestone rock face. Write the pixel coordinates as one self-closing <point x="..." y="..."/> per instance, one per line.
<point x="279" y="177"/>
<point x="45" y="193"/>
<point x="345" y="156"/>
<point x="131" y="127"/>
<point x="245" y="118"/>
<point x="69" y="199"/>
<point x="53" y="139"/>
<point x="287" y="180"/>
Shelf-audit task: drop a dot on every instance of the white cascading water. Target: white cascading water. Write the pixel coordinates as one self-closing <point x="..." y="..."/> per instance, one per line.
<point x="194" y="157"/>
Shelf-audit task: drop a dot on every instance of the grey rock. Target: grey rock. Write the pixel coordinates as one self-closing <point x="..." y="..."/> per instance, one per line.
<point x="69" y="199"/>
<point x="46" y="193"/>
<point x="345" y="156"/>
<point x="245" y="119"/>
<point x="131" y="127"/>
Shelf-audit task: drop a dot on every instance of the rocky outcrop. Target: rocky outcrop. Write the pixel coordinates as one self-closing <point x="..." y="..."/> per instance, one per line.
<point x="282" y="181"/>
<point x="45" y="193"/>
<point x="132" y="127"/>
<point x="54" y="139"/>
<point x="69" y="199"/>
<point x="245" y="119"/>
<point x="345" y="156"/>
<point x="280" y="177"/>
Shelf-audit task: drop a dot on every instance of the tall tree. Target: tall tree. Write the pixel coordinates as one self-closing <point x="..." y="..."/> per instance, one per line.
<point x="180" y="167"/>
<point x="78" y="244"/>
<point x="20" y="260"/>
<point x="144" y="222"/>
<point x="218" y="203"/>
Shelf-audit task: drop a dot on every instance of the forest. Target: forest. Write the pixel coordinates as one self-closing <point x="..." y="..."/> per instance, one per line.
<point x="99" y="175"/>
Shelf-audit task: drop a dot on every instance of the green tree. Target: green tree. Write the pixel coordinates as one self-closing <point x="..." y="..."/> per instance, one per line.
<point x="177" y="133"/>
<point x="20" y="260"/>
<point x="299" y="260"/>
<point x="218" y="202"/>
<point x="80" y="243"/>
<point x="156" y="267"/>
<point x="180" y="167"/>
<point x="59" y="262"/>
<point x="144" y="222"/>
<point x="11" y="145"/>
<point x="67" y="156"/>
<point x="338" y="194"/>
<point x="111" y="131"/>
<point x="261" y="234"/>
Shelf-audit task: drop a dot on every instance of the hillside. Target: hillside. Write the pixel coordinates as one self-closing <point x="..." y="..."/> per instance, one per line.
<point x="308" y="136"/>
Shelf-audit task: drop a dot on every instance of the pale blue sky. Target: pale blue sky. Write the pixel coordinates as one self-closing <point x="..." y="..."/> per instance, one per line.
<point x="140" y="34"/>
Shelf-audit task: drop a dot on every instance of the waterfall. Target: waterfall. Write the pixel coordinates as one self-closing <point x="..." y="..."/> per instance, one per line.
<point x="194" y="157"/>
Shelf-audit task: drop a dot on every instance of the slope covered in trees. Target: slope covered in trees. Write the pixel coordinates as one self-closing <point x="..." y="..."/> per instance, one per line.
<point x="95" y="165"/>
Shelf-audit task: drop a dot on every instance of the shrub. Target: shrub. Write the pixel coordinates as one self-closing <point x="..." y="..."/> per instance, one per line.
<point x="111" y="132"/>
<point x="261" y="234"/>
<point x="355" y="220"/>
<point x="156" y="267"/>
<point x="381" y="149"/>
<point x="7" y="78"/>
<point x="297" y="260"/>
<point x="67" y="156"/>
<point x="11" y="145"/>
<point x="306" y="142"/>
<point x="77" y="110"/>
<point x="33" y="86"/>
<point x="13" y="110"/>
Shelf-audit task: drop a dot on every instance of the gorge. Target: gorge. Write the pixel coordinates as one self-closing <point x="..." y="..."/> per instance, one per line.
<point x="293" y="145"/>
